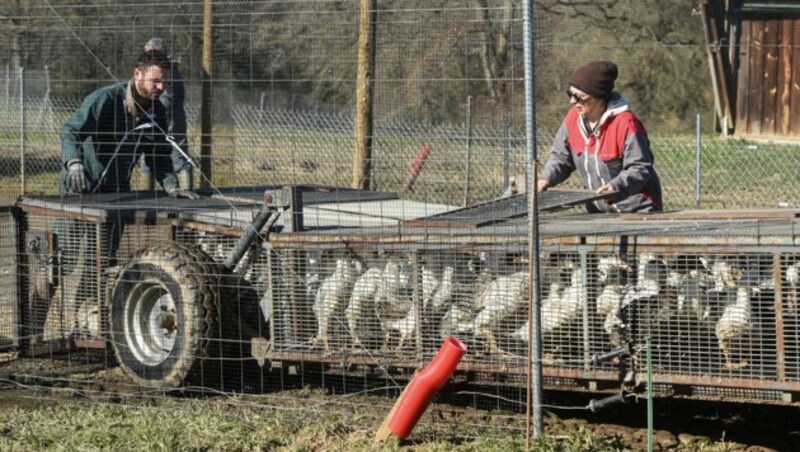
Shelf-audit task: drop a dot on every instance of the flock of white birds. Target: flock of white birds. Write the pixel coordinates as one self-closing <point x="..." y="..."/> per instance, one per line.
<point x="382" y="297"/>
<point x="714" y="292"/>
<point x="473" y="300"/>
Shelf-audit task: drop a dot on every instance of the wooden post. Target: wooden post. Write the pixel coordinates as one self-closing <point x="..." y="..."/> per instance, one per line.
<point x="362" y="154"/>
<point x="713" y="11"/>
<point x="205" y="107"/>
<point x="22" y="168"/>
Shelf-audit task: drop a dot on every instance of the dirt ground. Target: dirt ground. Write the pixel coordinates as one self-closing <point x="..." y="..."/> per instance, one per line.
<point x="679" y="424"/>
<point x="676" y="422"/>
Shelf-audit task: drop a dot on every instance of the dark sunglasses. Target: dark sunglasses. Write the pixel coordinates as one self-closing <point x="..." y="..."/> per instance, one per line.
<point x="573" y="95"/>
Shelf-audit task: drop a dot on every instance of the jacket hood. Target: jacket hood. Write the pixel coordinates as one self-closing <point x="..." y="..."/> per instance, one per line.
<point x="616" y="105"/>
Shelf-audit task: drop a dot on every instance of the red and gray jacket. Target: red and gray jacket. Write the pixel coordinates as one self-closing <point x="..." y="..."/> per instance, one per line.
<point x="617" y="151"/>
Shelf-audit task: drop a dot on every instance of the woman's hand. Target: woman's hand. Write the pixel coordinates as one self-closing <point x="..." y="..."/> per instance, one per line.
<point x="605" y="188"/>
<point x="542" y="185"/>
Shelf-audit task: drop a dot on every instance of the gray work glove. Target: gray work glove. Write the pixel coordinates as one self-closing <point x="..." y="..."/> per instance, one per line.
<point x="176" y="192"/>
<point x="76" y="178"/>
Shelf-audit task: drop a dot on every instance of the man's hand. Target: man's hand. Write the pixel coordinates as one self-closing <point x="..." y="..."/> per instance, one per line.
<point x="542" y="184"/>
<point x="76" y="178"/>
<point x="176" y="192"/>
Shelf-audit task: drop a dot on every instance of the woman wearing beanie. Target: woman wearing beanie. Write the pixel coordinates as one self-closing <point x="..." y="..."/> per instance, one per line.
<point x="606" y="143"/>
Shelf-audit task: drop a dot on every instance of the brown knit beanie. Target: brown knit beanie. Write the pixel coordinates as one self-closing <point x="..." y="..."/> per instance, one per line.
<point x="595" y="78"/>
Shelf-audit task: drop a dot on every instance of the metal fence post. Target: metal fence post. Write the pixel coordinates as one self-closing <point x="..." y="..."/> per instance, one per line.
<point x="698" y="165"/>
<point x="534" y="394"/>
<point x="207" y="93"/>
<point x="506" y="151"/>
<point x="649" y="363"/>
<point x="22" y="129"/>
<point x="467" y="180"/>
<point x="45" y="101"/>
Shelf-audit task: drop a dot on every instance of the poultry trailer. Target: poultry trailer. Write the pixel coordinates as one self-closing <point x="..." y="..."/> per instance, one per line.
<point x="367" y="284"/>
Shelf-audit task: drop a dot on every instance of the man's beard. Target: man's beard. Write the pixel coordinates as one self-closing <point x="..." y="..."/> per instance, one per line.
<point x="150" y="97"/>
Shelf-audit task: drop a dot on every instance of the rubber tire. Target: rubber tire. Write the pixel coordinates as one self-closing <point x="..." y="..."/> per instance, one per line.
<point x="192" y="279"/>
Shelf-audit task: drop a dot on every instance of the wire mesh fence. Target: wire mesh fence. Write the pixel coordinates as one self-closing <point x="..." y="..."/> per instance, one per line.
<point x="345" y="291"/>
<point x="462" y="166"/>
<point x="283" y="123"/>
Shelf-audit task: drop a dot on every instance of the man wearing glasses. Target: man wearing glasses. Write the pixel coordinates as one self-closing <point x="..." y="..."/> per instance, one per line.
<point x="116" y="125"/>
<point x="172" y="98"/>
<point x="100" y="145"/>
<point x="606" y="143"/>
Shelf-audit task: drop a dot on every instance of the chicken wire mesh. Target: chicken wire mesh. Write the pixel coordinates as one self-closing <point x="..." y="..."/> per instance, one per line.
<point x="309" y="308"/>
<point x="459" y="95"/>
<point x="282" y="146"/>
<point x="375" y="302"/>
<point x="8" y="295"/>
<point x="709" y="316"/>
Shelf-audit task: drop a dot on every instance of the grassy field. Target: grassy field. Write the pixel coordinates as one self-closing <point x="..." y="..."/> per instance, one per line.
<point x="306" y="421"/>
<point x="735" y="174"/>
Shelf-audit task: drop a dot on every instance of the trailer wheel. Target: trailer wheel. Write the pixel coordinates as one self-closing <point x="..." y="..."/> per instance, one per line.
<point x="164" y="316"/>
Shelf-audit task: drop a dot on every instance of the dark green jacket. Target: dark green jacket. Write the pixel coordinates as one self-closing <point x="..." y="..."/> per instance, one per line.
<point x="104" y="135"/>
<point x="172" y="99"/>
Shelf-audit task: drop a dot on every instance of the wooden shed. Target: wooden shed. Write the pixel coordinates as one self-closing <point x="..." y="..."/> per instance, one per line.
<point x="754" y="55"/>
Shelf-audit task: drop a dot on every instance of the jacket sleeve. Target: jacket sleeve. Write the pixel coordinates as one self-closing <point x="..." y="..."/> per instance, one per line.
<point x="172" y="99"/>
<point x="560" y="164"/>
<point x="162" y="154"/>
<point x="177" y="111"/>
<point x="162" y="165"/>
<point x="637" y="161"/>
<point x="80" y="127"/>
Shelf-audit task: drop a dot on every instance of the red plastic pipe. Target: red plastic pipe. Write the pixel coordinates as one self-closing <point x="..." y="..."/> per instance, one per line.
<point x="416" y="167"/>
<point x="419" y="392"/>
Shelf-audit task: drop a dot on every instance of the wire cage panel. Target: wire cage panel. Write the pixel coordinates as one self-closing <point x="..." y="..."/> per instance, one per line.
<point x="9" y="308"/>
<point x="378" y="301"/>
<point x="714" y="317"/>
<point x="62" y="258"/>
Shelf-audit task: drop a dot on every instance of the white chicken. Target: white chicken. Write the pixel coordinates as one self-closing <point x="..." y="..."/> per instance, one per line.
<point x="612" y="275"/>
<point x="617" y="329"/>
<point x="651" y="277"/>
<point x="733" y="324"/>
<point x="460" y="313"/>
<point x="437" y="292"/>
<point x="692" y="294"/>
<point x="311" y="278"/>
<point x="563" y="301"/>
<point x="360" y="312"/>
<point x="559" y="312"/>
<point x="792" y="277"/>
<point x="725" y="273"/>
<point x="521" y="333"/>
<point x="332" y="298"/>
<point x="406" y="327"/>
<point x="553" y="296"/>
<point x="503" y="297"/>
<point x="651" y="293"/>
<point x="212" y="244"/>
<point x="457" y="320"/>
<point x="442" y="292"/>
<point x="430" y="283"/>
<point x="394" y="299"/>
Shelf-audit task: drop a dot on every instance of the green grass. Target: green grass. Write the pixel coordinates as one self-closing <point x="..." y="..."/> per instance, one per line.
<point x="203" y="425"/>
<point x="170" y="424"/>
<point x="736" y="174"/>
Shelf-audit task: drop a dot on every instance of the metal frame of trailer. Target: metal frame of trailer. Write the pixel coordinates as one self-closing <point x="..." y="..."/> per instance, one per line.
<point x="315" y="220"/>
